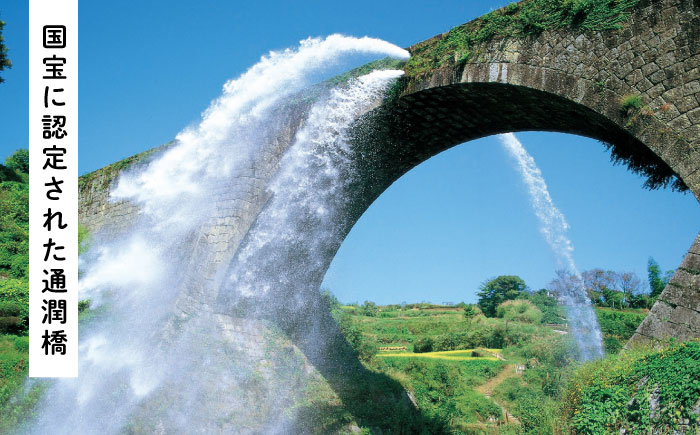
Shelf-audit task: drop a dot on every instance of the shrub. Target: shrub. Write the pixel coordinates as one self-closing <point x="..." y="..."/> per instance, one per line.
<point x="423" y="344"/>
<point x="22" y="344"/>
<point x="612" y="345"/>
<point x="9" y="174"/>
<point x="620" y="324"/>
<point x="83" y="305"/>
<point x="519" y="310"/>
<point x="19" y="161"/>
<point x="19" y="267"/>
<point x="630" y="104"/>
<point x="552" y="312"/>
<point x="14" y="306"/>
<point x="369" y="309"/>
<point x="614" y="394"/>
<point x="365" y="347"/>
<point x="13" y="317"/>
<point x="471" y="311"/>
<point x="442" y="388"/>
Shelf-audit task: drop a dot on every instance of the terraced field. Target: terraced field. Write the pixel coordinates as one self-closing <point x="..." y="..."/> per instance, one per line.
<point x="450" y="355"/>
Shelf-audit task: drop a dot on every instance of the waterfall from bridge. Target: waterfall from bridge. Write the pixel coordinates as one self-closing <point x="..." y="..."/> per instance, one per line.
<point x="162" y="354"/>
<point x="146" y="367"/>
<point x="581" y="316"/>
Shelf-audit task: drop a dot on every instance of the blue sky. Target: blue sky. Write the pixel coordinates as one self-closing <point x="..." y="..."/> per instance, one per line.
<point x="148" y="69"/>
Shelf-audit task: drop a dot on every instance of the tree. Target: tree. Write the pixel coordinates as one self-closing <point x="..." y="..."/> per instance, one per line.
<point x="613" y="298"/>
<point x="327" y="297"/>
<point x="498" y="290"/>
<point x="597" y="280"/>
<point x="19" y="161"/>
<point x="365" y="347"/>
<point x="657" y="280"/>
<point x="629" y="283"/>
<point x="564" y="283"/>
<point x="470" y="312"/>
<point x="4" y="61"/>
<point x="369" y="309"/>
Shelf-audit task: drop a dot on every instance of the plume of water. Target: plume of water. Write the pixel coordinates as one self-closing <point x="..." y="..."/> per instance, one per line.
<point x="582" y="320"/>
<point x="132" y="364"/>
<point x="318" y="161"/>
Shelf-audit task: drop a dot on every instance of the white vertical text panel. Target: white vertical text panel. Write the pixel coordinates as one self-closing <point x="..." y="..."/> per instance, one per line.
<point x="53" y="188"/>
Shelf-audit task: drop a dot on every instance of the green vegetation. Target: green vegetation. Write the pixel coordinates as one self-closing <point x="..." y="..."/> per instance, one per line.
<point x="640" y="391"/>
<point x="533" y="377"/>
<point x="14" y="293"/>
<point x="632" y="108"/>
<point x="657" y="279"/>
<point x="618" y="326"/>
<point x="446" y="359"/>
<point x="14" y="218"/>
<point x="14" y="306"/>
<point x="497" y="290"/>
<point x="14" y="366"/>
<point x="630" y="104"/>
<point x="444" y="389"/>
<point x="470" y="312"/>
<point x="551" y="311"/>
<point x="607" y="288"/>
<point x="514" y="370"/>
<point x="528" y="18"/>
<point x="4" y="61"/>
<point x="449" y="355"/>
<point x="19" y="161"/>
<point x="520" y="311"/>
<point x="83" y="239"/>
<point x="14" y="245"/>
<point x="14" y="288"/>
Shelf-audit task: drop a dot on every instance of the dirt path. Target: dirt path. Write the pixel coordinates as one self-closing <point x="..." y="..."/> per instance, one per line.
<point x="487" y="389"/>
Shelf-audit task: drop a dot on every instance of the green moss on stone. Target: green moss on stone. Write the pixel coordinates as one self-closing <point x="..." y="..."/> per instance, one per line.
<point x="524" y="19"/>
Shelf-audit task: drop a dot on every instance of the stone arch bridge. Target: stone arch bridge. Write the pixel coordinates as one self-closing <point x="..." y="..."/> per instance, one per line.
<point x="636" y="88"/>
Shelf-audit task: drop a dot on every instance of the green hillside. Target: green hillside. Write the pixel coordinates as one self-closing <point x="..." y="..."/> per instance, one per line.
<point x="490" y="375"/>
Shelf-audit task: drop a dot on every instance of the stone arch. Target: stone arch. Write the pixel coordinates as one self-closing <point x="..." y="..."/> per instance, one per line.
<point x="563" y="80"/>
<point x="566" y="81"/>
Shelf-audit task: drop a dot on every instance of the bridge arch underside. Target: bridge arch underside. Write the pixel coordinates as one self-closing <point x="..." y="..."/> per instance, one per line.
<point x="399" y="135"/>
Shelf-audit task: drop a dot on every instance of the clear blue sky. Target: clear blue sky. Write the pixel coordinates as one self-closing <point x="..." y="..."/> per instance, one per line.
<point x="148" y="69"/>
